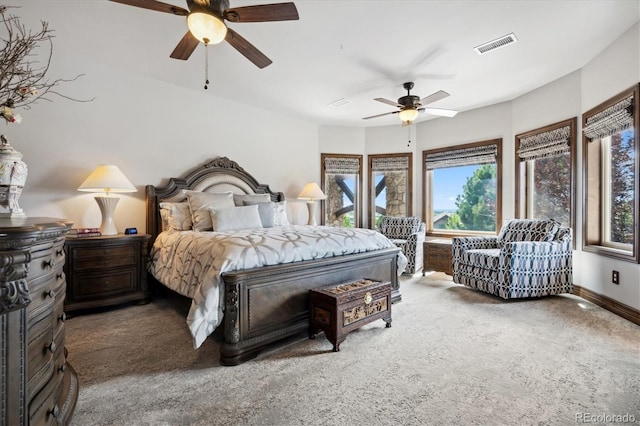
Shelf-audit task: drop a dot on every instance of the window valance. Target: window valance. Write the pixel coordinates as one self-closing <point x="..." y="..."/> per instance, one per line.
<point x="610" y="121"/>
<point x="383" y="164"/>
<point x="552" y="142"/>
<point x="485" y="154"/>
<point x="342" y="165"/>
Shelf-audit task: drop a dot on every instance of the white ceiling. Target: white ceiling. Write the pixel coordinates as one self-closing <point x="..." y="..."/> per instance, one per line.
<point x="358" y="50"/>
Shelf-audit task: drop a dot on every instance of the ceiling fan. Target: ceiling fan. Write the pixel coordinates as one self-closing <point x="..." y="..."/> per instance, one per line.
<point x="411" y="105"/>
<point x="205" y="20"/>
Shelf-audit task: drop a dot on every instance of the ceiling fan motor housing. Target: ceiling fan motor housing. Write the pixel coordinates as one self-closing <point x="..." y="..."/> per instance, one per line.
<point x="409" y="100"/>
<point x="217" y="7"/>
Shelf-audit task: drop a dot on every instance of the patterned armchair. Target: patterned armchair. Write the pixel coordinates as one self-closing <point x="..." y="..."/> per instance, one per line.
<point x="529" y="258"/>
<point x="408" y="234"/>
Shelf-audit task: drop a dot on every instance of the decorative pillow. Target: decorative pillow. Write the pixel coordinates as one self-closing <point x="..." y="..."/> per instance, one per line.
<point x="528" y="230"/>
<point x="235" y="218"/>
<point x="238" y="199"/>
<point x="280" y="214"/>
<point x="266" y="212"/>
<point x="175" y="216"/>
<point x="201" y="203"/>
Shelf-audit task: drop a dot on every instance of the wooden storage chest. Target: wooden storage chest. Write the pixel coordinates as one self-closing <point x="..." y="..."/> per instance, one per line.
<point x="339" y="309"/>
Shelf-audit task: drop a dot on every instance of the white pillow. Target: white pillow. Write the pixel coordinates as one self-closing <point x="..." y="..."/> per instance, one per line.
<point x="235" y="218"/>
<point x="239" y="199"/>
<point x="176" y="215"/>
<point x="201" y="203"/>
<point x="280" y="214"/>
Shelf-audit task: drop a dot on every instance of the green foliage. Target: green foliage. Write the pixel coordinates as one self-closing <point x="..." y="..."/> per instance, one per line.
<point x="552" y="188"/>
<point x="622" y="187"/>
<point x="477" y="203"/>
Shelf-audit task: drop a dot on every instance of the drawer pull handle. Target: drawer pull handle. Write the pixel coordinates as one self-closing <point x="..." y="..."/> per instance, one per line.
<point x="59" y="276"/>
<point x="47" y="264"/>
<point x="63" y="317"/>
<point x="50" y="294"/>
<point x="59" y="252"/>
<point x="51" y="347"/>
<point x="367" y="298"/>
<point x="63" y="368"/>
<point x="55" y="411"/>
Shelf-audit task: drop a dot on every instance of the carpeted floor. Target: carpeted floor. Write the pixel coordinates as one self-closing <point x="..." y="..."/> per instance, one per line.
<point x="453" y="356"/>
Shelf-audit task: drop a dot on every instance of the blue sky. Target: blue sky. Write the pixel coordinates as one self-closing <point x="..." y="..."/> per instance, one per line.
<point x="448" y="183"/>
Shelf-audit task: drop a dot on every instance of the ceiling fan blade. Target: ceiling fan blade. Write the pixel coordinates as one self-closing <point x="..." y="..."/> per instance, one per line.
<point x="440" y="94"/>
<point x="185" y="47"/>
<point x="247" y="49"/>
<point x="262" y="13"/>
<point x="380" y="115"/>
<point x="388" y="102"/>
<point x="155" y="5"/>
<point x="441" y="112"/>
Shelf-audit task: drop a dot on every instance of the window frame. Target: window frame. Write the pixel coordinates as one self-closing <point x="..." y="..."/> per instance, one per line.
<point x="371" y="186"/>
<point x="592" y="160"/>
<point x="427" y="185"/>
<point x="524" y="177"/>
<point x="357" y="206"/>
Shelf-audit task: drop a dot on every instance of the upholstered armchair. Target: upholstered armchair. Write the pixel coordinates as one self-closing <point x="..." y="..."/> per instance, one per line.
<point x="408" y="234"/>
<point x="529" y="258"/>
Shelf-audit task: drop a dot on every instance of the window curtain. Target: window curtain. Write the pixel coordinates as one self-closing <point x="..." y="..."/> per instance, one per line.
<point x="389" y="164"/>
<point x="544" y="144"/>
<point x="486" y="154"/>
<point x="342" y="166"/>
<point x="610" y="121"/>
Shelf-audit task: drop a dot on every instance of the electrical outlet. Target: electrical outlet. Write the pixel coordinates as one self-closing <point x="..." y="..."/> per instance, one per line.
<point x="615" y="277"/>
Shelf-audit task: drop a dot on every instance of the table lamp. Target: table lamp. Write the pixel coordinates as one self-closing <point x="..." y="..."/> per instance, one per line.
<point x="107" y="179"/>
<point x="311" y="192"/>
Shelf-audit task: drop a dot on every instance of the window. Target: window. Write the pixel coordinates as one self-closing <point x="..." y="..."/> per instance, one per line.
<point x="390" y="186"/>
<point x="341" y="183"/>
<point x="610" y="150"/>
<point x="462" y="189"/>
<point x="545" y="180"/>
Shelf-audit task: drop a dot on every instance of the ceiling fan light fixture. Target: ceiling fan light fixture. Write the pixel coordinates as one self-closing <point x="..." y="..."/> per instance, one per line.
<point x="206" y="26"/>
<point x="408" y="114"/>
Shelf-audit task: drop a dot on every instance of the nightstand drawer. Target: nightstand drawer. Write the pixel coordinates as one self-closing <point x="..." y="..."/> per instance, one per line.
<point x="86" y="253"/>
<point x="91" y="286"/>
<point x="103" y="263"/>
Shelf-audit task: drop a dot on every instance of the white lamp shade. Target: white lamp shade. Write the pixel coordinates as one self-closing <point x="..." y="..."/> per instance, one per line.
<point x="107" y="178"/>
<point x="311" y="191"/>
<point x="408" y="114"/>
<point x="206" y="26"/>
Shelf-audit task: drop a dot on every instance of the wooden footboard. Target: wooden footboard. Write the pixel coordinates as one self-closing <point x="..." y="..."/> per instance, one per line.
<point x="268" y="304"/>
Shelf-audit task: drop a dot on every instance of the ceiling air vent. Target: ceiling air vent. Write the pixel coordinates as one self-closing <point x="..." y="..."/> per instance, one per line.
<point x="339" y="103"/>
<point x="496" y="44"/>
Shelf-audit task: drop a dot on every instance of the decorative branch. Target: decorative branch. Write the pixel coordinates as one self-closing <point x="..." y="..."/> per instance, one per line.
<point x="22" y="80"/>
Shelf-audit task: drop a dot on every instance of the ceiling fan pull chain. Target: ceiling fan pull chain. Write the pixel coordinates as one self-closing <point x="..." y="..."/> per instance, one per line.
<point x="409" y="135"/>
<point x="206" y="63"/>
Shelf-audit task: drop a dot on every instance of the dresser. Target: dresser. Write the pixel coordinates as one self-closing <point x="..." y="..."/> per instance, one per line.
<point x="105" y="271"/>
<point x="37" y="385"/>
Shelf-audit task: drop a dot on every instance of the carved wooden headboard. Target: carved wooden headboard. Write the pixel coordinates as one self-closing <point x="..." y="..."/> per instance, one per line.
<point x="218" y="175"/>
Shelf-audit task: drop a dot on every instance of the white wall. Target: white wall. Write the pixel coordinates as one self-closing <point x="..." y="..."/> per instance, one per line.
<point x="152" y="131"/>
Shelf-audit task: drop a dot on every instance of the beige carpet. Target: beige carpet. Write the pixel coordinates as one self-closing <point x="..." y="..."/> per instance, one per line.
<point x="453" y="356"/>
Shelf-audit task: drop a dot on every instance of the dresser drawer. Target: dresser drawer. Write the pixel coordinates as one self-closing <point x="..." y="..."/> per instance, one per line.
<point x="43" y="408"/>
<point x="44" y="262"/>
<point x="40" y="349"/>
<point x="43" y="291"/>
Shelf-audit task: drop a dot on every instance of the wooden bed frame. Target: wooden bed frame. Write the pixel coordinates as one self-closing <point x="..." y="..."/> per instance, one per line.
<point x="267" y="304"/>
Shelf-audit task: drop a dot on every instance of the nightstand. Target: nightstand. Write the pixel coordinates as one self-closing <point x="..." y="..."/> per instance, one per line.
<point x="105" y="271"/>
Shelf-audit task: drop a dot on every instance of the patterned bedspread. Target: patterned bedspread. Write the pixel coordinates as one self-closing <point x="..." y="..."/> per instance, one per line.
<point x="191" y="263"/>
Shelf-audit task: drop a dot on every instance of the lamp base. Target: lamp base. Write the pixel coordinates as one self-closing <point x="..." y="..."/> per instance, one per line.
<point x="311" y="205"/>
<point x="107" y="207"/>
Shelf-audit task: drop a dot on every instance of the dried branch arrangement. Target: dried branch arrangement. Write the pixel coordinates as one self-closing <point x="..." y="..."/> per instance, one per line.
<point x="22" y="78"/>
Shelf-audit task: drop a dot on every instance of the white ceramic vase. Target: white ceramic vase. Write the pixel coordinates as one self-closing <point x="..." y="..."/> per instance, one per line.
<point x="13" y="175"/>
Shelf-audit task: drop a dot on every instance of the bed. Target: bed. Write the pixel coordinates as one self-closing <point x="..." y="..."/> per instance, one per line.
<point x="258" y="306"/>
